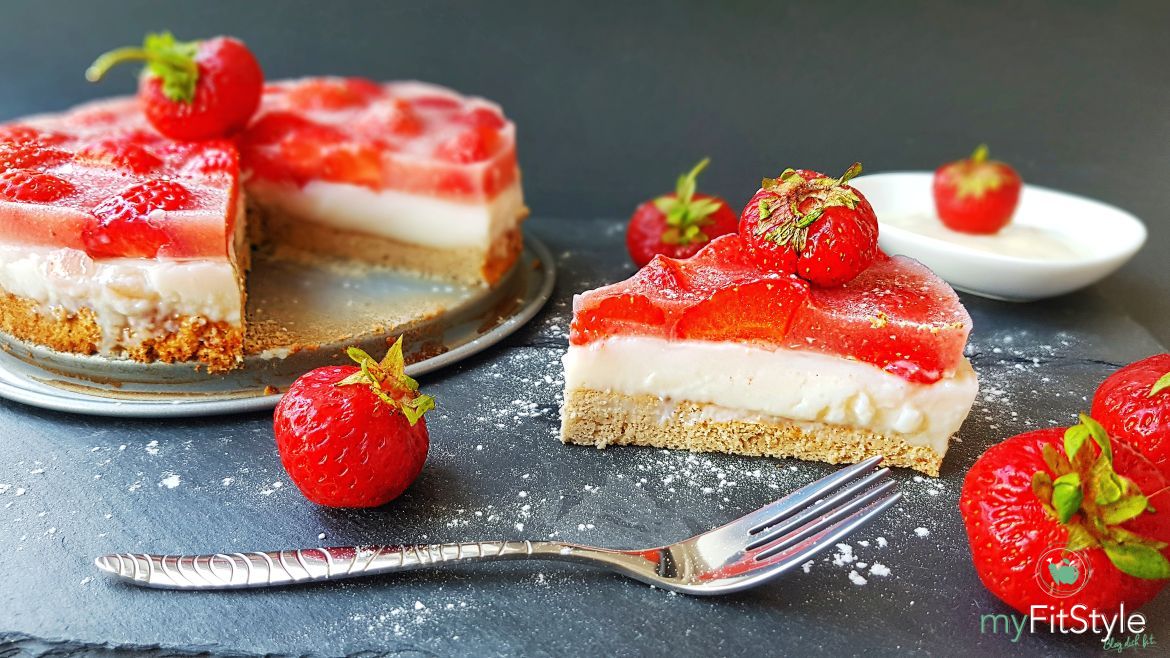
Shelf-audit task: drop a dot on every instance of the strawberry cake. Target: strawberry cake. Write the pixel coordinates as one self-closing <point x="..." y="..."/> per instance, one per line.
<point x="718" y="353"/>
<point x="115" y="240"/>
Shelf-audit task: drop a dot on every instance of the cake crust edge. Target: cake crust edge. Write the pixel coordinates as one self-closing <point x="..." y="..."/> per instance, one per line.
<point x="600" y="419"/>
<point x="217" y="345"/>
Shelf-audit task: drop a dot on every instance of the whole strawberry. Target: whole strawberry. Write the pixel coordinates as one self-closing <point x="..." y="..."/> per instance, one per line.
<point x="1060" y="517"/>
<point x="1133" y="404"/>
<point x="679" y="224"/>
<point x="354" y="436"/>
<point x="192" y="90"/>
<point x="976" y="195"/>
<point x="817" y="227"/>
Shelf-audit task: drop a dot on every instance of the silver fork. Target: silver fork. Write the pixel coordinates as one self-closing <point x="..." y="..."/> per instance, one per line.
<point x="744" y="553"/>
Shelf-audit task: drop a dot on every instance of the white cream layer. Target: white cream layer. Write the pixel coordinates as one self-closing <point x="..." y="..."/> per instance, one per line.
<point x="746" y="383"/>
<point x="132" y="299"/>
<point x="411" y="218"/>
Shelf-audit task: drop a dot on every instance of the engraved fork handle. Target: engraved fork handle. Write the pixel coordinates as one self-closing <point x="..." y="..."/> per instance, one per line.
<point x="277" y="568"/>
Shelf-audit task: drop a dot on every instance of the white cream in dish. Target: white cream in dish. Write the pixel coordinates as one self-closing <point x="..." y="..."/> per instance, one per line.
<point x="411" y="218"/>
<point x="744" y="382"/>
<point x="1017" y="240"/>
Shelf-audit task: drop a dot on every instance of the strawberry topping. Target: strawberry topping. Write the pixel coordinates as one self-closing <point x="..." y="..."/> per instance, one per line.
<point x="33" y="187"/>
<point x="896" y="315"/>
<point x="125" y="224"/>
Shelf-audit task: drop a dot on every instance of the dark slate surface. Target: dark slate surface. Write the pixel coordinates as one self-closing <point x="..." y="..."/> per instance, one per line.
<point x="75" y="487"/>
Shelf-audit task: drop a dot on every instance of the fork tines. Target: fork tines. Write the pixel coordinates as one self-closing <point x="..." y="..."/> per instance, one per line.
<point x="848" y="497"/>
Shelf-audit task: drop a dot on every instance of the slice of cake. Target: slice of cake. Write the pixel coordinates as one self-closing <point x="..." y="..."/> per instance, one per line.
<point x="117" y="241"/>
<point x="403" y="174"/>
<point x="715" y="354"/>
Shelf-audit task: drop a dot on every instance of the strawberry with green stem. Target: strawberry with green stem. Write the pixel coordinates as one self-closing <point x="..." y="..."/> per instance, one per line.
<point x="1076" y="491"/>
<point x="678" y="225"/>
<point x="810" y="224"/>
<point x="354" y="436"/>
<point x="192" y="90"/>
<point x="976" y="195"/>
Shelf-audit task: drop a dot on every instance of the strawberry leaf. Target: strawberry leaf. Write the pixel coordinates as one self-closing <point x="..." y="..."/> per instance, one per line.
<point x="1124" y="509"/>
<point x="1079" y="538"/>
<point x="1067" y="496"/>
<point x="415" y="408"/>
<point x="1106" y="485"/>
<point x="1042" y="486"/>
<point x="1074" y="439"/>
<point x="683" y="211"/>
<point x="1099" y="435"/>
<point x="1137" y="560"/>
<point x="1162" y="384"/>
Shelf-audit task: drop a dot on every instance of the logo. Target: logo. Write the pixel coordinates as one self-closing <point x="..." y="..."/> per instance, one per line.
<point x="1062" y="573"/>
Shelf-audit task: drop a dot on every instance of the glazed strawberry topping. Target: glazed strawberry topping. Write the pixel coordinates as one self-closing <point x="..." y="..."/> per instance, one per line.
<point x="405" y="136"/>
<point x="33" y="187"/>
<point x="124" y="224"/>
<point x="896" y="315"/>
<point x="100" y="179"/>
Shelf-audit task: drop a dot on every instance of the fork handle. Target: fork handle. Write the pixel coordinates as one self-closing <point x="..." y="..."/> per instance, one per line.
<point x="277" y="568"/>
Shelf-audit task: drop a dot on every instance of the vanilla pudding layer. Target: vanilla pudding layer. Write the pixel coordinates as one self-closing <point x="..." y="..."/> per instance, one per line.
<point x="733" y="382"/>
<point x="131" y="300"/>
<point x="414" y="219"/>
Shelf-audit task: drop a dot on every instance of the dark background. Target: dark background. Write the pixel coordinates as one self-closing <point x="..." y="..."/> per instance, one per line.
<point x="612" y="99"/>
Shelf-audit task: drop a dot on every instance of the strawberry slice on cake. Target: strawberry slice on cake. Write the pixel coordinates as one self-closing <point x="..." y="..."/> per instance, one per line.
<point x="733" y="351"/>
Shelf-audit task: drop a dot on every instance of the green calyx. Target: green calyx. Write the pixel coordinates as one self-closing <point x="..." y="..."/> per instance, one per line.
<point x="973" y="179"/>
<point x="1091" y="500"/>
<point x="685" y="215"/>
<point x="389" y="381"/>
<point x="1162" y="384"/>
<point x="170" y="60"/>
<point x="792" y="227"/>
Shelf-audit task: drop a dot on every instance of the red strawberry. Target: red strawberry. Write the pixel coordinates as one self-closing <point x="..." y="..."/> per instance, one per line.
<point x="1050" y="498"/>
<point x="1133" y="404"/>
<point x="33" y="187"/>
<point x="678" y="225"/>
<point x="818" y="227"/>
<point x="121" y="154"/>
<point x="122" y="224"/>
<point x="29" y="155"/>
<point x="354" y="436"/>
<point x="192" y="90"/>
<point x="976" y="195"/>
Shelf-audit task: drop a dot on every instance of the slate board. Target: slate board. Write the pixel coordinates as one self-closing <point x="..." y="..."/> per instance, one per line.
<point x="89" y="486"/>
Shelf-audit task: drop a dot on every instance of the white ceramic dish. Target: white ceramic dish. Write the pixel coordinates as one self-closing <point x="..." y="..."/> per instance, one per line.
<point x="1102" y="238"/>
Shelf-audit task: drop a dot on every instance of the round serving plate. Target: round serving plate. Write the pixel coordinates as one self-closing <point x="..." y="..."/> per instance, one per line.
<point x="300" y="317"/>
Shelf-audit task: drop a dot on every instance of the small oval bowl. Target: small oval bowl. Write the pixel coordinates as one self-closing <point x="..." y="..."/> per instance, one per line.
<point x="1107" y="236"/>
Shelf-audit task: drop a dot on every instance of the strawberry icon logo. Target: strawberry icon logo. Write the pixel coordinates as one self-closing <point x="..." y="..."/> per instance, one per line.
<point x="1063" y="572"/>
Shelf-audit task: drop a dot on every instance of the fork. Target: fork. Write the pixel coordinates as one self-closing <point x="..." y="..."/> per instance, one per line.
<point x="746" y="552"/>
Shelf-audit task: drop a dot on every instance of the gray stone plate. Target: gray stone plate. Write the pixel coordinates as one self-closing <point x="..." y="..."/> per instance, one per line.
<point x="300" y="317"/>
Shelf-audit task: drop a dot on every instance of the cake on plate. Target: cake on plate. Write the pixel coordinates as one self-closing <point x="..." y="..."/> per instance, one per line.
<point x="716" y="353"/>
<point x="117" y="241"/>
